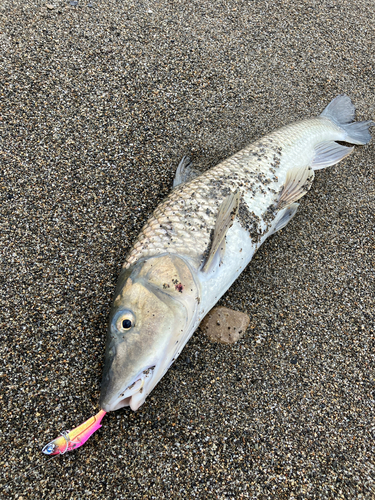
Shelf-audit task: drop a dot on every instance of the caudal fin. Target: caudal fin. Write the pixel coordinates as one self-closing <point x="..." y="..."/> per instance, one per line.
<point x="342" y="111"/>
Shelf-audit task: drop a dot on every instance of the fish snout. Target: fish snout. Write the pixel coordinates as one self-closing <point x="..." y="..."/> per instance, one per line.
<point x="133" y="394"/>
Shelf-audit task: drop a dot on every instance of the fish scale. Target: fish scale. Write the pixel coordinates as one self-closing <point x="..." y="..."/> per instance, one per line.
<point x="183" y="222"/>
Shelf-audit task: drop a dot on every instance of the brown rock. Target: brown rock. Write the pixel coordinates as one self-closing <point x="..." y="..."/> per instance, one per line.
<point x="225" y="325"/>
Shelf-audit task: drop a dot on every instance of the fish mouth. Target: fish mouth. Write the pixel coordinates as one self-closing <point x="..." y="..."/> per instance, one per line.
<point x="134" y="393"/>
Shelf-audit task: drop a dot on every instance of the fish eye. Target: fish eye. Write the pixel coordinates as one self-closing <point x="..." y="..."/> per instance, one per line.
<point x="126" y="324"/>
<point x="125" y="321"/>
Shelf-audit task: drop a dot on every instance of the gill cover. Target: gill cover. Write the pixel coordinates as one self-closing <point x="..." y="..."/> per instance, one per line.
<point x="152" y="317"/>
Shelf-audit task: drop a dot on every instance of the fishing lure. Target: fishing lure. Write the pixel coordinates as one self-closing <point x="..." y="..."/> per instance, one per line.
<point x="71" y="440"/>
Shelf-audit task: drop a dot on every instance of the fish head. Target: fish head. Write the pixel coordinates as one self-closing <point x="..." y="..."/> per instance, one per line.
<point x="153" y="315"/>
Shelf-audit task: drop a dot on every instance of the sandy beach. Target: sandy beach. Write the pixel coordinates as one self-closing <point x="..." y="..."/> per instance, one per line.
<point x="98" y="104"/>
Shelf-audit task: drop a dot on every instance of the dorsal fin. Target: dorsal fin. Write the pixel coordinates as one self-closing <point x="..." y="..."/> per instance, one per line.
<point x="297" y="182"/>
<point x="185" y="172"/>
<point x="225" y="217"/>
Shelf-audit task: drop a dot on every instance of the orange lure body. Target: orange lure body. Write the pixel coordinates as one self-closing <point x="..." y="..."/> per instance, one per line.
<point x="75" y="438"/>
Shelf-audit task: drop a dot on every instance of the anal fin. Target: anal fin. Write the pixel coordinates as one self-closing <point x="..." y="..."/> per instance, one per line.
<point x="328" y="154"/>
<point x="225" y="217"/>
<point x="285" y="216"/>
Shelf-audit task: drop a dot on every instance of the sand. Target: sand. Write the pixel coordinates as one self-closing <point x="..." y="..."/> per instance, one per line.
<point x="99" y="102"/>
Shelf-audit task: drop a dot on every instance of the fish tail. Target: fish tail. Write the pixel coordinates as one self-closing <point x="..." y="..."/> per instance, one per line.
<point x="342" y="112"/>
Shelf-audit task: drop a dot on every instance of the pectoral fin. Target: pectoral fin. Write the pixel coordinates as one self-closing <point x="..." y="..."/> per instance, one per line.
<point x="185" y="172"/>
<point x="225" y="217"/>
<point x="298" y="181"/>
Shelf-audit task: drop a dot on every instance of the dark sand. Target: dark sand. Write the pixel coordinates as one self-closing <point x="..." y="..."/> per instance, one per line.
<point x="98" y="105"/>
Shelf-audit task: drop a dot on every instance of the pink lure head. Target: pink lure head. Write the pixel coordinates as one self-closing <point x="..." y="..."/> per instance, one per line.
<point x="75" y="438"/>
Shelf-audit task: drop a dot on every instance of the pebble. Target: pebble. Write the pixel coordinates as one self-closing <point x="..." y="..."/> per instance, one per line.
<point x="224" y="325"/>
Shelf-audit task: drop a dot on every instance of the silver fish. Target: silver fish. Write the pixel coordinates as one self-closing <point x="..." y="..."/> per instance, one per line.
<point x="201" y="238"/>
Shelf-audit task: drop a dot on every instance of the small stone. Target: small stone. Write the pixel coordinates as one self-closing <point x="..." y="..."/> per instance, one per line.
<point x="225" y="325"/>
<point x="73" y="3"/>
<point x="50" y="6"/>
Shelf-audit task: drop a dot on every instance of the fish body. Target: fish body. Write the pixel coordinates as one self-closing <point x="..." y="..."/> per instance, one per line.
<point x="202" y="236"/>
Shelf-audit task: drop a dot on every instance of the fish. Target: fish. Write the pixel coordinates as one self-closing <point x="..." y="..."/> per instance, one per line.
<point x="202" y="236"/>
<point x="200" y="239"/>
